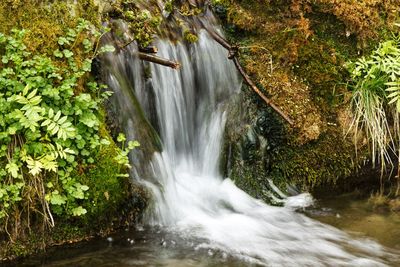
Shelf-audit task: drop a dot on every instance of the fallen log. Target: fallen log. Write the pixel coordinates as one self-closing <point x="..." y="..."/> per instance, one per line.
<point x="159" y="60"/>
<point x="232" y="54"/>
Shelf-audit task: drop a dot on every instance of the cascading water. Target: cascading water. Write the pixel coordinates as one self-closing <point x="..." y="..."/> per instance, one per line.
<point x="190" y="197"/>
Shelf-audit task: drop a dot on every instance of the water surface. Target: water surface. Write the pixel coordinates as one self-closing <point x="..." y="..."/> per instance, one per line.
<point x="157" y="247"/>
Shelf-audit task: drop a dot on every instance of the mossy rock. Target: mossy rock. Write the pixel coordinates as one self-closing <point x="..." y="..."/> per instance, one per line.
<point x="112" y="197"/>
<point x="297" y="56"/>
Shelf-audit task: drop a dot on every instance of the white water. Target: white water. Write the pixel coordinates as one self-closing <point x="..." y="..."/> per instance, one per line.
<point x="193" y="200"/>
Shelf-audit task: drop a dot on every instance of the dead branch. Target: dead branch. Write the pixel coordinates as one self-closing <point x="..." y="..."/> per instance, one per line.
<point x="232" y="54"/>
<point x="159" y="60"/>
<point x="255" y="89"/>
<point x="145" y="54"/>
<point x="149" y="49"/>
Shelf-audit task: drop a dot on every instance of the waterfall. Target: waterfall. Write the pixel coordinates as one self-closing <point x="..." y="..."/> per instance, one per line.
<point x="187" y="107"/>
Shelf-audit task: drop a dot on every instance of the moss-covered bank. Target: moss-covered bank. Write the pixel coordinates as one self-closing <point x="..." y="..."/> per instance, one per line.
<point x="297" y="52"/>
<point x="109" y="200"/>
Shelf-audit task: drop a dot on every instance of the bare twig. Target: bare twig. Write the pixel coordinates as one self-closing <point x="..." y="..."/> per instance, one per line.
<point x="233" y="51"/>
<point x="255" y="89"/>
<point x="146" y="55"/>
<point x="148" y="49"/>
<point x="126" y="44"/>
<point x="159" y="60"/>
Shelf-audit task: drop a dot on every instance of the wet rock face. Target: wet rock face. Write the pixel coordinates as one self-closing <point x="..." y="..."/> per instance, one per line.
<point x="259" y="146"/>
<point x="262" y="139"/>
<point x="269" y="127"/>
<point x="253" y="139"/>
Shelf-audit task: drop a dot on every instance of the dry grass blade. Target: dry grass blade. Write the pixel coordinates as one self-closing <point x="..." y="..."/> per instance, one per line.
<point x="369" y="117"/>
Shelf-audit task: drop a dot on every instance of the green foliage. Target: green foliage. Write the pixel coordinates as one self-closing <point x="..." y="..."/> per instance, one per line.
<point x="169" y="6"/>
<point x="142" y="22"/>
<point x="108" y="184"/>
<point x="190" y="37"/>
<point x="122" y="156"/>
<point x="49" y="123"/>
<point x="376" y="98"/>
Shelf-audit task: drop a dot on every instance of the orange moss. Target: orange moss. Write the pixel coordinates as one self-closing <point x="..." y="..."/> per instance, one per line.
<point x="362" y="18"/>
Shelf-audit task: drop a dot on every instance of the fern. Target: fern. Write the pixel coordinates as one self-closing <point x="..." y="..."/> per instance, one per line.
<point x="376" y="99"/>
<point x="58" y="125"/>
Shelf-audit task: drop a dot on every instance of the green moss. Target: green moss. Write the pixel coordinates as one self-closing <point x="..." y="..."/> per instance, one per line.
<point x="45" y="20"/>
<point x="108" y="191"/>
<point x="190" y="37"/>
<point x="319" y="163"/>
<point x="322" y="68"/>
<point x="321" y="61"/>
<point x="64" y="232"/>
<point x="112" y="197"/>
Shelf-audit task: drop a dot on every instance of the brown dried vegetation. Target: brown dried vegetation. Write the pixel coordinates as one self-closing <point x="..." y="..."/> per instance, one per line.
<point x="303" y="69"/>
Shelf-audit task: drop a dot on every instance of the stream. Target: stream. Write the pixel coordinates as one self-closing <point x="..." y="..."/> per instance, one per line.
<point x="156" y="247"/>
<point x="196" y="216"/>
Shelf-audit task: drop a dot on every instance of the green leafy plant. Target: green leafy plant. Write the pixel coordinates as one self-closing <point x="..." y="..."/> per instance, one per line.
<point x="122" y="156"/>
<point x="49" y="125"/>
<point x="376" y="99"/>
